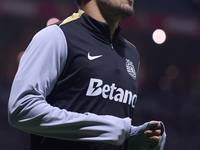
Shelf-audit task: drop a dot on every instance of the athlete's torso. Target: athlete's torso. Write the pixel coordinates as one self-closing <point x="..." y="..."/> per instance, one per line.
<point x="100" y="76"/>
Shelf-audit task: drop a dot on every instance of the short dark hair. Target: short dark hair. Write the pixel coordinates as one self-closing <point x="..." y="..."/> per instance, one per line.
<point x="78" y="2"/>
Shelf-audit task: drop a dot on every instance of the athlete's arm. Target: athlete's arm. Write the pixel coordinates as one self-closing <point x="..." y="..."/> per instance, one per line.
<point x="39" y="69"/>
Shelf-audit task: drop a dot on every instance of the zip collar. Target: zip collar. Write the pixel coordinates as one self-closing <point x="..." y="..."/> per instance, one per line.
<point x="100" y="29"/>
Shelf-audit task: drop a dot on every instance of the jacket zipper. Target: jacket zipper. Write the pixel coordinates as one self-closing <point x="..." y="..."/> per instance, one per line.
<point x="111" y="45"/>
<point x="113" y="51"/>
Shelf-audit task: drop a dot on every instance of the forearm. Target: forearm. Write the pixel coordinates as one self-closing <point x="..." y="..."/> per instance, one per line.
<point x="38" y="117"/>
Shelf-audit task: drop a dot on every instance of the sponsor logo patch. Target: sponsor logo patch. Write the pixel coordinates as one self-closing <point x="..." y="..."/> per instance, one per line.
<point x="112" y="92"/>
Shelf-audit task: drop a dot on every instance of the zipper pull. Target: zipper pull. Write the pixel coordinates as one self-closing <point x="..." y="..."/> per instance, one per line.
<point x="111" y="45"/>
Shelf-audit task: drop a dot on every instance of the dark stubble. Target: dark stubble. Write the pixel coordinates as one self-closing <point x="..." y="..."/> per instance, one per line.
<point x="108" y="7"/>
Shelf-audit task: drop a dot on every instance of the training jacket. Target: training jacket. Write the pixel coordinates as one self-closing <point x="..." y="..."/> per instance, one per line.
<point x="75" y="88"/>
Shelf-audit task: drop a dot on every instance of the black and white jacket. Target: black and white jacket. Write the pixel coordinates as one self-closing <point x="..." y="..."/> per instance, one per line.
<point x="75" y="88"/>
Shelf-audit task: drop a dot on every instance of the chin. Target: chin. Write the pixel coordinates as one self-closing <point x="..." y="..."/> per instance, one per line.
<point x="126" y="13"/>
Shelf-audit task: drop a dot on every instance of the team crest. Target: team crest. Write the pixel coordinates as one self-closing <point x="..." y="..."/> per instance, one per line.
<point x="130" y="69"/>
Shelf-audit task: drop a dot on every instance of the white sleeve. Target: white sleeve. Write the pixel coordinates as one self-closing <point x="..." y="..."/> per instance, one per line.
<point x="39" y="69"/>
<point x="138" y="139"/>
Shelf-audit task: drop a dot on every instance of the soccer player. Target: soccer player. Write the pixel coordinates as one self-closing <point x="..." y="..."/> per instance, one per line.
<point x="76" y="85"/>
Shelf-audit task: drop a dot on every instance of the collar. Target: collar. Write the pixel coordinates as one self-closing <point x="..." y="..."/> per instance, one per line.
<point x="100" y="29"/>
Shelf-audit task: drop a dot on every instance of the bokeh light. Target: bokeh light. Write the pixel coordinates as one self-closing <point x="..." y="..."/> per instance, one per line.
<point x="159" y="36"/>
<point x="19" y="56"/>
<point x="52" y="21"/>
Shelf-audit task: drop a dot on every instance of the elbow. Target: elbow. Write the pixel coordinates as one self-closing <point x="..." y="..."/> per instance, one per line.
<point x="15" y="120"/>
<point x="15" y="113"/>
<point x="12" y="119"/>
<point x="12" y="115"/>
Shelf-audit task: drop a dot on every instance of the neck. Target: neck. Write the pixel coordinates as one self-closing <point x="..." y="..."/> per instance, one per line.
<point x="93" y="10"/>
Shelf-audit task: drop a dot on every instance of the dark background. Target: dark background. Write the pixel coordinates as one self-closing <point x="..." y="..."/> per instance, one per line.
<point x="169" y="75"/>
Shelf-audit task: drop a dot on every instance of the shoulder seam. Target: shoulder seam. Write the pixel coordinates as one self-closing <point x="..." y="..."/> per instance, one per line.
<point x="130" y="43"/>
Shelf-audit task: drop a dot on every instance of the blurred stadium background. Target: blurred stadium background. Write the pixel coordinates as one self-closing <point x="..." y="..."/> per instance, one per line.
<point x="169" y="77"/>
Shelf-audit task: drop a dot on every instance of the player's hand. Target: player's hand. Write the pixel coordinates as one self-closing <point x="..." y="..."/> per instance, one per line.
<point x="153" y="134"/>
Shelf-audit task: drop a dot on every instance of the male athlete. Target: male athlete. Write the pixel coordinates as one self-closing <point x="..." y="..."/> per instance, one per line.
<point x="76" y="85"/>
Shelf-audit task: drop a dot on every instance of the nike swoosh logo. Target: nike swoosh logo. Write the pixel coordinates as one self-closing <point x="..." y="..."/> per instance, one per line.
<point x="93" y="57"/>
